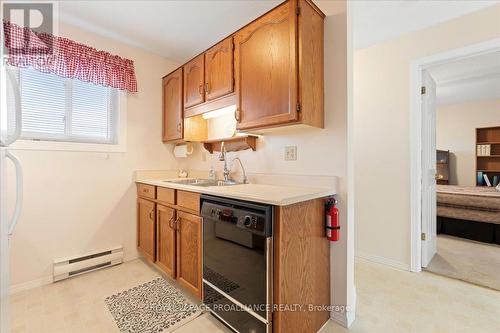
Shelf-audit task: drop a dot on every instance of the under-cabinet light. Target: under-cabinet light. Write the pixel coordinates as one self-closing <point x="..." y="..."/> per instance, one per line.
<point x="219" y="112"/>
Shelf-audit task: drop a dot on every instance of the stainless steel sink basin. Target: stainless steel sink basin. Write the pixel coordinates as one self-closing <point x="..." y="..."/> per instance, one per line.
<point x="190" y="181"/>
<point x="216" y="183"/>
<point x="202" y="182"/>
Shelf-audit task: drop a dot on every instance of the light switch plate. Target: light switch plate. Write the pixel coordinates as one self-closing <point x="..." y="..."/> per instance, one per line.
<point x="290" y="153"/>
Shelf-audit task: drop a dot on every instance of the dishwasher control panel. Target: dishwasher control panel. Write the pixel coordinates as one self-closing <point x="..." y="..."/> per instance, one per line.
<point x="251" y="219"/>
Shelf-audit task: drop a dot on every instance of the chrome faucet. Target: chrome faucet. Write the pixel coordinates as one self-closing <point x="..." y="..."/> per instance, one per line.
<point x="245" y="179"/>
<point x="222" y="157"/>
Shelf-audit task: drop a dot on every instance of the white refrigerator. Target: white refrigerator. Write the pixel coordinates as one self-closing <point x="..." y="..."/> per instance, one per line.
<point x="10" y="129"/>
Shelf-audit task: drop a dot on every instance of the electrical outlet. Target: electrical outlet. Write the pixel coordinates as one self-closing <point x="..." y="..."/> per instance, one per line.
<point x="290" y="153"/>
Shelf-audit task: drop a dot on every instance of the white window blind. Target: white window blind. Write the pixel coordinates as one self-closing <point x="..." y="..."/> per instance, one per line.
<point x="59" y="109"/>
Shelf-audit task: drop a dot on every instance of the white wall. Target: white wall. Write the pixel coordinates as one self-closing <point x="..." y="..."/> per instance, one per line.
<point x="320" y="152"/>
<point x="381" y="130"/>
<point x="456" y="131"/>
<point x="76" y="202"/>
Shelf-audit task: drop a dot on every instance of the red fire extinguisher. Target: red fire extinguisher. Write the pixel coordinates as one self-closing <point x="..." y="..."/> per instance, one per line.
<point x="332" y="220"/>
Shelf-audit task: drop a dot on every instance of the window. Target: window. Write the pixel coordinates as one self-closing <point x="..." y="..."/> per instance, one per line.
<point x="68" y="110"/>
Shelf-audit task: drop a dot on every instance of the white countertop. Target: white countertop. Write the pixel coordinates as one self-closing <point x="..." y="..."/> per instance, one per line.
<point x="279" y="195"/>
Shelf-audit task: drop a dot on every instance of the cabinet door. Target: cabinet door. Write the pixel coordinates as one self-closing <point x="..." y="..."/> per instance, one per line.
<point x="189" y="251"/>
<point x="172" y="106"/>
<point x="219" y="70"/>
<point x="146" y="240"/>
<point x="165" y="244"/>
<point x="266" y="70"/>
<point x="194" y="79"/>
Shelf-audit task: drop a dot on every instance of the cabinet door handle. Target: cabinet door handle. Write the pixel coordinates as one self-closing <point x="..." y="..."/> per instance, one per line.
<point x="151" y="215"/>
<point x="206" y="87"/>
<point x="171" y="222"/>
<point x="200" y="89"/>
<point x="237" y="115"/>
<point x="177" y="221"/>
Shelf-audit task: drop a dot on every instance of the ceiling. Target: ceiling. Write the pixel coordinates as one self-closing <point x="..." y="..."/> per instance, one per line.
<point x="466" y="80"/>
<point x="378" y="21"/>
<point x="178" y="29"/>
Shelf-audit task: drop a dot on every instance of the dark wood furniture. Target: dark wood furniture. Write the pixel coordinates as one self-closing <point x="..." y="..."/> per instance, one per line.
<point x="442" y="167"/>
<point x="488" y="162"/>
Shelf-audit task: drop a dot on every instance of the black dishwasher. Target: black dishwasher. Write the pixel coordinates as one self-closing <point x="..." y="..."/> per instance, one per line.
<point x="237" y="262"/>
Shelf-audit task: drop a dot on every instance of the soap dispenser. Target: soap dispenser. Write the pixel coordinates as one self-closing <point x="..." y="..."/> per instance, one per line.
<point x="211" y="173"/>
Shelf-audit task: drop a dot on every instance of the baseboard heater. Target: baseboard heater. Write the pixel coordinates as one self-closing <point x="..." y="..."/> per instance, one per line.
<point x="68" y="267"/>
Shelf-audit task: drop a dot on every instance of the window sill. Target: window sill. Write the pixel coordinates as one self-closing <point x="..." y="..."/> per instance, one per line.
<point x="67" y="146"/>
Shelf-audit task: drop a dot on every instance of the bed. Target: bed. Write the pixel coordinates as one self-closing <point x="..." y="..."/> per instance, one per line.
<point x="469" y="212"/>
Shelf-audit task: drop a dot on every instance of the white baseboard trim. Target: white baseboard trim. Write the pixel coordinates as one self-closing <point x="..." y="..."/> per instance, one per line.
<point x="339" y="318"/>
<point x="345" y="318"/>
<point x="381" y="260"/>
<point x="351" y="314"/>
<point x="17" y="288"/>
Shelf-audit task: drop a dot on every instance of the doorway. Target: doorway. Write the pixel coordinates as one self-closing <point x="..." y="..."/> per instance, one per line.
<point x="424" y="223"/>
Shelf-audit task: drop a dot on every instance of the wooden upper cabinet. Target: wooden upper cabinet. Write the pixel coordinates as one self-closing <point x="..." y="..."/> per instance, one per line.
<point x="194" y="80"/>
<point x="172" y="106"/>
<point x="146" y="228"/>
<point x="265" y="58"/>
<point x="165" y="244"/>
<point x="272" y="69"/>
<point x="219" y="70"/>
<point x="189" y="251"/>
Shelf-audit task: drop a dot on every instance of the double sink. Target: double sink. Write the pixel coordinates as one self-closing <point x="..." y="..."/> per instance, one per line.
<point x="202" y="182"/>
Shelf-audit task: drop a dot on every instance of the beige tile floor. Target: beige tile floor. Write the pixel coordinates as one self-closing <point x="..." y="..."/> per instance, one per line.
<point x="77" y="304"/>
<point x="467" y="260"/>
<point x="388" y="301"/>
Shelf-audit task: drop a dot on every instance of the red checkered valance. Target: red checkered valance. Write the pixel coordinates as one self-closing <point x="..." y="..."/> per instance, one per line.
<point x="64" y="57"/>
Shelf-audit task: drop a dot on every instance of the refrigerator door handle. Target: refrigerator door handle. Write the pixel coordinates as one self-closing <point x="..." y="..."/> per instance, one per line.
<point x="19" y="117"/>
<point x="19" y="191"/>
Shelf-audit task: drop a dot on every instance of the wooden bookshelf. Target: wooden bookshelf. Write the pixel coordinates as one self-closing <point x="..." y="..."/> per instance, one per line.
<point x="488" y="161"/>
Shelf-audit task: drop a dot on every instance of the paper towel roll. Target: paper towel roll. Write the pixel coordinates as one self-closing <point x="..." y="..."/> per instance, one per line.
<point x="183" y="150"/>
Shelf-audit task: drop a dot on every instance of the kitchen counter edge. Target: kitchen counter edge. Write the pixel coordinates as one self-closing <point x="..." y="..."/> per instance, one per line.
<point x="225" y="191"/>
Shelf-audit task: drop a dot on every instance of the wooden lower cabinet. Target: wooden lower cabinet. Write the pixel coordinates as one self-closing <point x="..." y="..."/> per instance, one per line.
<point x="301" y="266"/>
<point x="166" y="238"/>
<point x="146" y="240"/>
<point x="169" y="234"/>
<point x="189" y="251"/>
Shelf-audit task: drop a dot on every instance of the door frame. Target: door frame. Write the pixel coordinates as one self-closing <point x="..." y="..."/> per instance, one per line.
<point x="416" y="69"/>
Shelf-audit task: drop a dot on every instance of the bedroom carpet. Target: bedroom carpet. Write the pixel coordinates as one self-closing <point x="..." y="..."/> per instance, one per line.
<point x="467" y="260"/>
